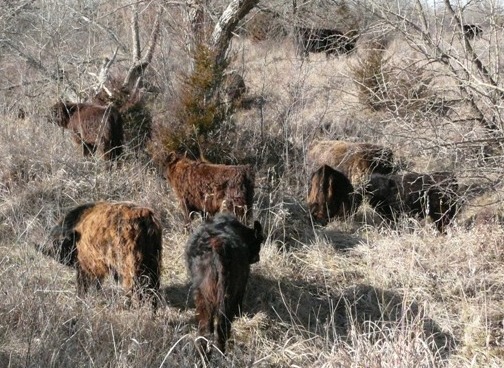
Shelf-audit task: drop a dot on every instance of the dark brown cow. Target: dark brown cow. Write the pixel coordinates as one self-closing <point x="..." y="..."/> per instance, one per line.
<point x="330" y="41"/>
<point x="472" y="30"/>
<point x="210" y="188"/>
<point x="433" y="195"/>
<point x="234" y="88"/>
<point x="103" y="238"/>
<point x="356" y="160"/>
<point x="331" y="195"/>
<point x="219" y="255"/>
<point x="95" y="127"/>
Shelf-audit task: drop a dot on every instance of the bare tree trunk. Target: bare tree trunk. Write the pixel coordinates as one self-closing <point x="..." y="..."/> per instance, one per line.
<point x="139" y="63"/>
<point x="196" y="18"/>
<point x="223" y="30"/>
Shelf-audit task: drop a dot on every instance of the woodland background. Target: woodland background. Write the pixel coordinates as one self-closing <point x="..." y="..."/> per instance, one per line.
<point x="356" y="293"/>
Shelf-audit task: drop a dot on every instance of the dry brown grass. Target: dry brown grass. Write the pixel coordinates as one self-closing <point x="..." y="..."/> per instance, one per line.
<point x="353" y="294"/>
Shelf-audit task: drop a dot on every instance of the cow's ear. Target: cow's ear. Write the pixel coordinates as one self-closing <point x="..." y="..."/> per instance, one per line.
<point x="257" y="230"/>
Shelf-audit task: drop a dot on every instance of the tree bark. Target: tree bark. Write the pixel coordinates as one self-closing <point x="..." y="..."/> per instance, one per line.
<point x="223" y="30"/>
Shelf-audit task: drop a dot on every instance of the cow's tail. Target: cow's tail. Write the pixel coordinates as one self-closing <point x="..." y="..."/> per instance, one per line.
<point x="220" y="317"/>
<point x="249" y="182"/>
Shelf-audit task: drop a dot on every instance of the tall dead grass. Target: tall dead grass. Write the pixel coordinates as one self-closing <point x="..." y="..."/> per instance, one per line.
<point x="354" y="294"/>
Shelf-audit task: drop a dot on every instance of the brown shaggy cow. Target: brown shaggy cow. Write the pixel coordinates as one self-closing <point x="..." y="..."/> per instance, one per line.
<point x="433" y="195"/>
<point x="210" y="188"/>
<point x="219" y="255"/>
<point x="331" y="195"/>
<point x="95" y="127"/>
<point x="102" y="238"/>
<point x="356" y="160"/>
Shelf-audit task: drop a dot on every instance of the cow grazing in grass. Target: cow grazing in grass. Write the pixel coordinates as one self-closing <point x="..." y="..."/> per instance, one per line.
<point x="472" y="30"/>
<point x="330" y="41"/>
<point x="210" y="188"/>
<point x="331" y="195"/>
<point x="356" y="160"/>
<point x="433" y="195"/>
<point x="102" y="238"/>
<point x="219" y="255"/>
<point x="94" y="127"/>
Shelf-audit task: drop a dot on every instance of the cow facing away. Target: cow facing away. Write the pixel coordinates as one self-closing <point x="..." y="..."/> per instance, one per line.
<point x="210" y="188"/>
<point x="356" y="160"/>
<point x="219" y="255"/>
<point x="433" y="195"/>
<point x="103" y="238"/>
<point x="331" y="195"/>
<point x="96" y="128"/>
<point x="330" y="41"/>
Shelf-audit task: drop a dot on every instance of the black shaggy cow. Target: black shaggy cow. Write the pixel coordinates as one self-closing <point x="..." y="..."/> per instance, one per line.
<point x="432" y="195"/>
<point x="330" y="41"/>
<point x="331" y="195"/>
<point x="219" y="255"/>
<point x="472" y="30"/>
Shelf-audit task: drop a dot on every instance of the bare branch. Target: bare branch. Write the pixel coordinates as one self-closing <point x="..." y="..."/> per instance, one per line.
<point x="104" y="71"/>
<point x="135" y="34"/>
<point x="37" y="64"/>
<point x="139" y="64"/>
<point x="474" y="57"/>
<point x="222" y="33"/>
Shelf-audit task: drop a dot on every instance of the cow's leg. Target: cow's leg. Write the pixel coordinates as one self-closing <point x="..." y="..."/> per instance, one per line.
<point x="205" y="319"/>
<point x="83" y="281"/>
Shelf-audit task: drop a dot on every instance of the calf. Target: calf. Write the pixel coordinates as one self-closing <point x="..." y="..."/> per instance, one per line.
<point x="209" y="188"/>
<point x="356" y="160"/>
<point x="219" y="255"/>
<point x="331" y="195"/>
<point x="95" y="127"/>
<point x="105" y="238"/>
<point x="423" y="195"/>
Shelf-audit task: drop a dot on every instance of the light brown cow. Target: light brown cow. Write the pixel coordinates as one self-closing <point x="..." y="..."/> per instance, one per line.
<point x="356" y="160"/>
<point x="103" y="238"/>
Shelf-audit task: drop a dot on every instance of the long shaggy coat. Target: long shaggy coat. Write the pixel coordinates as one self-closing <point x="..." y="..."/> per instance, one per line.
<point x="331" y="195"/>
<point x="219" y="255"/>
<point x="356" y="160"/>
<point x="96" y="128"/>
<point x="103" y="238"/>
<point x="210" y="188"/>
<point x="433" y="195"/>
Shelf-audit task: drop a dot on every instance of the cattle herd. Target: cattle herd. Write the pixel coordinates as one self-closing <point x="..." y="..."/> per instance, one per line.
<point x="124" y="240"/>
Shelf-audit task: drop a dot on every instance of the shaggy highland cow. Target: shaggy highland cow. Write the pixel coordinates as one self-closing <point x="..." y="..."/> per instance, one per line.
<point x="95" y="127"/>
<point x="330" y="41"/>
<point x="120" y="239"/>
<point x="356" y="160"/>
<point x="219" y="255"/>
<point x="210" y="188"/>
<point x="331" y="195"/>
<point x="433" y="195"/>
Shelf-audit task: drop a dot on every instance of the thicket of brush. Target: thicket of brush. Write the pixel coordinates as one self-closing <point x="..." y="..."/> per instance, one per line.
<point x="356" y="293"/>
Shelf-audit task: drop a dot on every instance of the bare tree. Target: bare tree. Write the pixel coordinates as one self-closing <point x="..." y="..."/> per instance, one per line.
<point x="438" y="34"/>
